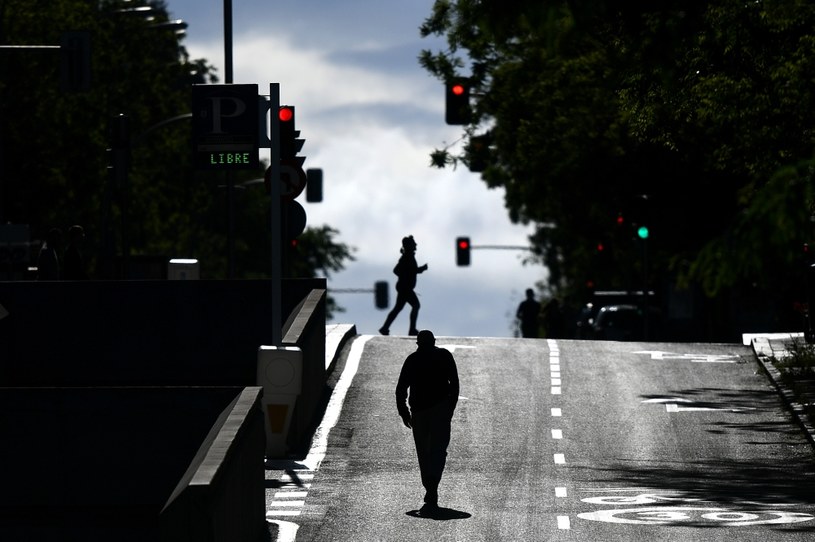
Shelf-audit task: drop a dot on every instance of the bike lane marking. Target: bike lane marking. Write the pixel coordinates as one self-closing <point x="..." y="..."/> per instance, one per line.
<point x="644" y="506"/>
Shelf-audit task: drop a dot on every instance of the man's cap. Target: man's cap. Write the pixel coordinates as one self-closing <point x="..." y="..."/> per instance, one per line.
<point x="425" y="338"/>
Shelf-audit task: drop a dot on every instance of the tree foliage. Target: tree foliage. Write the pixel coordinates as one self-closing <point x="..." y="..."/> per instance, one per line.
<point x="695" y="118"/>
<point x="53" y="145"/>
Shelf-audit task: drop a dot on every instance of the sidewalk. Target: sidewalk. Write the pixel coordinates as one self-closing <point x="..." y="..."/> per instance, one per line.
<point x="776" y="345"/>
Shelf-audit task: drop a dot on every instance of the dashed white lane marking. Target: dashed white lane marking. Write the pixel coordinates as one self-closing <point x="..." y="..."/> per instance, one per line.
<point x="563" y="522"/>
<point x="277" y="513"/>
<point x="288" y="504"/>
<point x="290" y="494"/>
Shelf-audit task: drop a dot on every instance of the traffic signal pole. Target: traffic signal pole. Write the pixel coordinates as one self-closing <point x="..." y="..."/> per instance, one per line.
<point x="274" y="209"/>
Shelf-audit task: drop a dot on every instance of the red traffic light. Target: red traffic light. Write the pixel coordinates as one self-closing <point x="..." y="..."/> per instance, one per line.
<point x="457" y="102"/>
<point x="462" y="251"/>
<point x="285" y="114"/>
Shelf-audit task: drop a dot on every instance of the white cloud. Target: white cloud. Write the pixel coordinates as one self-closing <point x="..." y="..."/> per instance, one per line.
<point x="371" y="130"/>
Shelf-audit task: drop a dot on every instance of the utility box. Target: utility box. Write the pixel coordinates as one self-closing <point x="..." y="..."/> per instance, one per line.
<point x="280" y="373"/>
<point x="183" y="269"/>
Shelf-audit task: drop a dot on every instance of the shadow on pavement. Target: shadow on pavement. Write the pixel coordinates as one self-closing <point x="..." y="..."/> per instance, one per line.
<point x="440" y="514"/>
<point x="723" y="481"/>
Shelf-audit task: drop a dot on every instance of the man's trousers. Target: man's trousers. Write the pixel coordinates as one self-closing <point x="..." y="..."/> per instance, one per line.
<point x="431" y="433"/>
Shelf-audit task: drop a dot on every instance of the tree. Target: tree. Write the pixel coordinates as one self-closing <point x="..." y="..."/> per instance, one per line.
<point x="53" y="157"/>
<point x="592" y="105"/>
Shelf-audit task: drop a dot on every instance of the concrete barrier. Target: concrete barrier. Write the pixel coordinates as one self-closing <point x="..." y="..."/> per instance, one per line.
<point x="138" y="333"/>
<point x="305" y="329"/>
<point x="222" y="495"/>
<point x="101" y="464"/>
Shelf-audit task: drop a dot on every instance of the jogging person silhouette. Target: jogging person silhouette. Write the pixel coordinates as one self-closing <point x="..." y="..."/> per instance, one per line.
<point x="406" y="269"/>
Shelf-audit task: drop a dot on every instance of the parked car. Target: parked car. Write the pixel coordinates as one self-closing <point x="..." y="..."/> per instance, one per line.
<point x="624" y="323"/>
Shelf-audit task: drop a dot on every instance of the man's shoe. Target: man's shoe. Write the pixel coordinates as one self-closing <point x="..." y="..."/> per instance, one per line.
<point x="384" y="331"/>
<point x="428" y="510"/>
<point x="413" y="332"/>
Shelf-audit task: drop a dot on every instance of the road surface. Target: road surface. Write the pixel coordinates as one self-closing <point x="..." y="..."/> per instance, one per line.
<point x="557" y="440"/>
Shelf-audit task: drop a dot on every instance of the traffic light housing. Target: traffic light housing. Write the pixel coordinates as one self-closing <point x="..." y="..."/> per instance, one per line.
<point x="119" y="151"/>
<point x="290" y="144"/>
<point x="381" y="294"/>
<point x="314" y="185"/>
<point x="463" y="251"/>
<point x="457" y="102"/>
<point x="478" y="153"/>
<point x="75" y="61"/>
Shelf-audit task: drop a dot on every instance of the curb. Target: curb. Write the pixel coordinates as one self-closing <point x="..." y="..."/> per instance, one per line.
<point x="336" y="335"/>
<point x="764" y="351"/>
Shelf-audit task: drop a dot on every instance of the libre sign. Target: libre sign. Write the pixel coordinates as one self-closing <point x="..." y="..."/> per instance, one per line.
<point x="225" y="126"/>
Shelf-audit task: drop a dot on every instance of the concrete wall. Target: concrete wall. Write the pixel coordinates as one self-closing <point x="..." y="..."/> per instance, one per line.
<point x="146" y="333"/>
<point x="100" y="464"/>
<point x="305" y="329"/>
<point x="222" y="495"/>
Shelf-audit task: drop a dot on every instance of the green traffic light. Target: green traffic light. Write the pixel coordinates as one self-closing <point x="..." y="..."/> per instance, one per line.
<point x="642" y="232"/>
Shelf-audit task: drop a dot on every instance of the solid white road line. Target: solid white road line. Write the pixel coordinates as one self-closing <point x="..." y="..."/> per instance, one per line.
<point x="319" y="444"/>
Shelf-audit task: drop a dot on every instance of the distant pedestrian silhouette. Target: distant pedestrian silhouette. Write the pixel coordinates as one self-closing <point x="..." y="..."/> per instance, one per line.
<point x="48" y="258"/>
<point x="406" y="269"/>
<point x="553" y="320"/>
<point x="74" y="265"/>
<point x="528" y="313"/>
<point x="431" y="377"/>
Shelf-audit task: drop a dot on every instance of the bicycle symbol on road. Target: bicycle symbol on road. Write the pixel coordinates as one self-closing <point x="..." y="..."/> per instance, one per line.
<point x="681" y="511"/>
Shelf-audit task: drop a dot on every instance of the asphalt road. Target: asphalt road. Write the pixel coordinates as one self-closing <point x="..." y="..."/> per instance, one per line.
<point x="558" y="440"/>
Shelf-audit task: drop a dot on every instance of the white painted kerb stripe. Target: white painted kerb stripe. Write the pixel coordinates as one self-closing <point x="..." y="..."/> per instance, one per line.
<point x="319" y="445"/>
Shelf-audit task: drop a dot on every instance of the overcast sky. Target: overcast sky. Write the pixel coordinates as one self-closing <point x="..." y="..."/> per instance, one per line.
<point x="370" y="116"/>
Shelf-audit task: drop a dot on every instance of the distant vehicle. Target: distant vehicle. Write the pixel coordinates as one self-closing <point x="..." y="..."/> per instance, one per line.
<point x="587" y="316"/>
<point x="585" y="320"/>
<point x="623" y="323"/>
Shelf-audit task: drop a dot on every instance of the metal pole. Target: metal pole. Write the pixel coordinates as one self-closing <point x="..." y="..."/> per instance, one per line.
<point x="274" y="212"/>
<point x="228" y="41"/>
<point x="230" y="181"/>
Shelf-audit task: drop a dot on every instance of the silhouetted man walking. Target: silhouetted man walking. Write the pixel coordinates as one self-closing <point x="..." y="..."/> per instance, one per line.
<point x="528" y="313"/>
<point x="431" y="376"/>
<point x="406" y="269"/>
